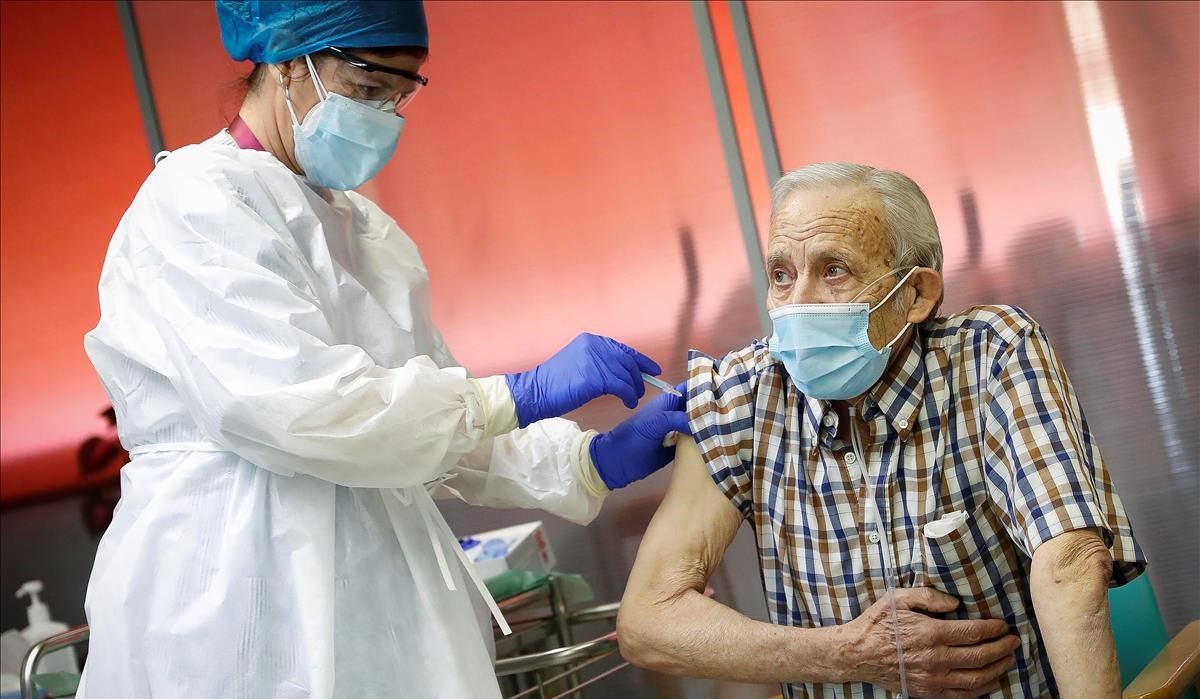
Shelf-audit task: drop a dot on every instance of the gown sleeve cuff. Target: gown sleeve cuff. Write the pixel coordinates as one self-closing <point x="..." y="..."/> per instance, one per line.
<point x="499" y="410"/>
<point x="589" y="478"/>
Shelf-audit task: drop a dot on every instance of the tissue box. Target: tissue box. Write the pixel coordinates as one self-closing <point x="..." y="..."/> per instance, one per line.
<point x="520" y="547"/>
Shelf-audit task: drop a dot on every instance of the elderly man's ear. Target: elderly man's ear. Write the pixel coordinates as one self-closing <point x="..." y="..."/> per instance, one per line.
<point x="928" y="283"/>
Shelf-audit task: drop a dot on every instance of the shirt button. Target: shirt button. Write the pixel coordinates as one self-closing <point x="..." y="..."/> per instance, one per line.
<point x="903" y="424"/>
<point x="873" y="537"/>
<point x="851" y="458"/>
<point x="827" y="420"/>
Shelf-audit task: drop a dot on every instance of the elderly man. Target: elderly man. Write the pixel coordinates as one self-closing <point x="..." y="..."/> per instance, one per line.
<point x="874" y="446"/>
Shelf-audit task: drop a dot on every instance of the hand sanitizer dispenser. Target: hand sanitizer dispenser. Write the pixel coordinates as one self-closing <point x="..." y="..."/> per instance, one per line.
<point x="41" y="627"/>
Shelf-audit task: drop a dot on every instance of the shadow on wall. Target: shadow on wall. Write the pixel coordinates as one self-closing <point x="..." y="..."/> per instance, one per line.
<point x="1074" y="286"/>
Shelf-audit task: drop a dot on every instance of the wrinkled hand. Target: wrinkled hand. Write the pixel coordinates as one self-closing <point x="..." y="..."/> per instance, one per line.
<point x="942" y="658"/>
<point x="589" y="367"/>
<point x="635" y="448"/>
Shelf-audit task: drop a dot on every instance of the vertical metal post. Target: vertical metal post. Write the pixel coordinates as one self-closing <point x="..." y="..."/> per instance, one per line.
<point x="733" y="157"/>
<point x="748" y="53"/>
<point x="141" y="78"/>
<point x="562" y="622"/>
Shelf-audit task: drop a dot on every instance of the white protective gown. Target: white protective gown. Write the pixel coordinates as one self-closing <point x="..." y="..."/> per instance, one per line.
<point x="269" y="350"/>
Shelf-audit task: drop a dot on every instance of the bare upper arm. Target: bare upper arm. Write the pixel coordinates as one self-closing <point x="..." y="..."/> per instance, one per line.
<point x="688" y="535"/>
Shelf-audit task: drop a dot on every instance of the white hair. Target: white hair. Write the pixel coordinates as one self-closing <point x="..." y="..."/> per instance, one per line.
<point x="911" y="226"/>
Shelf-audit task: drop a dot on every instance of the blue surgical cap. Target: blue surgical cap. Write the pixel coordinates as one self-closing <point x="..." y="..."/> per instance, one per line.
<point x="273" y="32"/>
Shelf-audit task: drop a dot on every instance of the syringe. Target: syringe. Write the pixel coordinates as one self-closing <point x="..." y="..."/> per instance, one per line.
<point x="660" y="384"/>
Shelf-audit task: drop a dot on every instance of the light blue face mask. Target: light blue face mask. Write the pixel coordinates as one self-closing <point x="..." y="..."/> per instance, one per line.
<point x="825" y="348"/>
<point x="342" y="143"/>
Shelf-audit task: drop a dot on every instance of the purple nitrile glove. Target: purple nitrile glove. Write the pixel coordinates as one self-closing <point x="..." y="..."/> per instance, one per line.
<point x="589" y="367"/>
<point x="635" y="448"/>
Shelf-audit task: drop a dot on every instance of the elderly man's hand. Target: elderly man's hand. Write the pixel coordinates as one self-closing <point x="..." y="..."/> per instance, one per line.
<point x="942" y="658"/>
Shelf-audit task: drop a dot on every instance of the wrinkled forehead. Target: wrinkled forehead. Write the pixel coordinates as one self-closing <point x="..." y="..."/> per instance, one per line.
<point x="849" y="217"/>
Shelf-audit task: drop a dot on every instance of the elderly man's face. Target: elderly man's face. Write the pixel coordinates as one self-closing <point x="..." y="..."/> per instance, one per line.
<point x="826" y="246"/>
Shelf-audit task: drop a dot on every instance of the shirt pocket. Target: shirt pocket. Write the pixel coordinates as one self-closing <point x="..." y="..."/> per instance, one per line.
<point x="967" y="561"/>
<point x="954" y="560"/>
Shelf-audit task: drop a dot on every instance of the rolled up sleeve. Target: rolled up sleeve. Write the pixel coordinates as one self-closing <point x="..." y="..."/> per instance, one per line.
<point x="720" y="407"/>
<point x="1042" y="465"/>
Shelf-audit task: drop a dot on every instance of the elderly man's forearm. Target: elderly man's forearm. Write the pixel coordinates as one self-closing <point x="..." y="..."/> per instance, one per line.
<point x="696" y="636"/>
<point x="1069" y="586"/>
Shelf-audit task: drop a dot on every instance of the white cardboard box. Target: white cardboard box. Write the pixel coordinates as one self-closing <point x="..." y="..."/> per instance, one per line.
<point x="527" y="548"/>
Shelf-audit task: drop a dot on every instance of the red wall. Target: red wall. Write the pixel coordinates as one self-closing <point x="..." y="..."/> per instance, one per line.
<point x="552" y="161"/>
<point x="984" y="96"/>
<point x="73" y="153"/>
<point x="547" y="195"/>
<point x="194" y="82"/>
<point x="559" y="149"/>
<point x="546" y="171"/>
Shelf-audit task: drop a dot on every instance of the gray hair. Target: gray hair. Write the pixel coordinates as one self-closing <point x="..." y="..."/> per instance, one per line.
<point x="911" y="225"/>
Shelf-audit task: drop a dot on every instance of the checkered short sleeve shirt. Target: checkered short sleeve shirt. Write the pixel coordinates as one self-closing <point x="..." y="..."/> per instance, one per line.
<point x="974" y="421"/>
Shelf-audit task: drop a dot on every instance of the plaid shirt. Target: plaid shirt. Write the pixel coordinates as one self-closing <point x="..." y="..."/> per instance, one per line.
<point x="974" y="416"/>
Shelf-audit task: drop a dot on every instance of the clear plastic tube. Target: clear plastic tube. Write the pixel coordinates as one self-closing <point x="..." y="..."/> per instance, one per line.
<point x="885" y="552"/>
<point x="899" y="645"/>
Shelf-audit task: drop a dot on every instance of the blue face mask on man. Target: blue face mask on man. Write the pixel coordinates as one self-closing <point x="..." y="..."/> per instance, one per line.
<point x="342" y="143"/>
<point x="825" y="347"/>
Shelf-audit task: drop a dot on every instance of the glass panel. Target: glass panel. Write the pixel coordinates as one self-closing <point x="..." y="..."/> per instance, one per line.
<point x="68" y="175"/>
<point x="983" y="105"/>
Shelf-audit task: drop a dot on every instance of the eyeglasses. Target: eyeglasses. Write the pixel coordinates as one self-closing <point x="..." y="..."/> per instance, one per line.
<point x="397" y="94"/>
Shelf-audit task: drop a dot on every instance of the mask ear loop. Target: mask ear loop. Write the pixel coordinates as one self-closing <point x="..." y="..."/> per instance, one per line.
<point x="322" y="93"/>
<point x="885" y="300"/>
<point x="287" y="97"/>
<point x="875" y="281"/>
<point x="890" y="293"/>
<point x="312" y="70"/>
